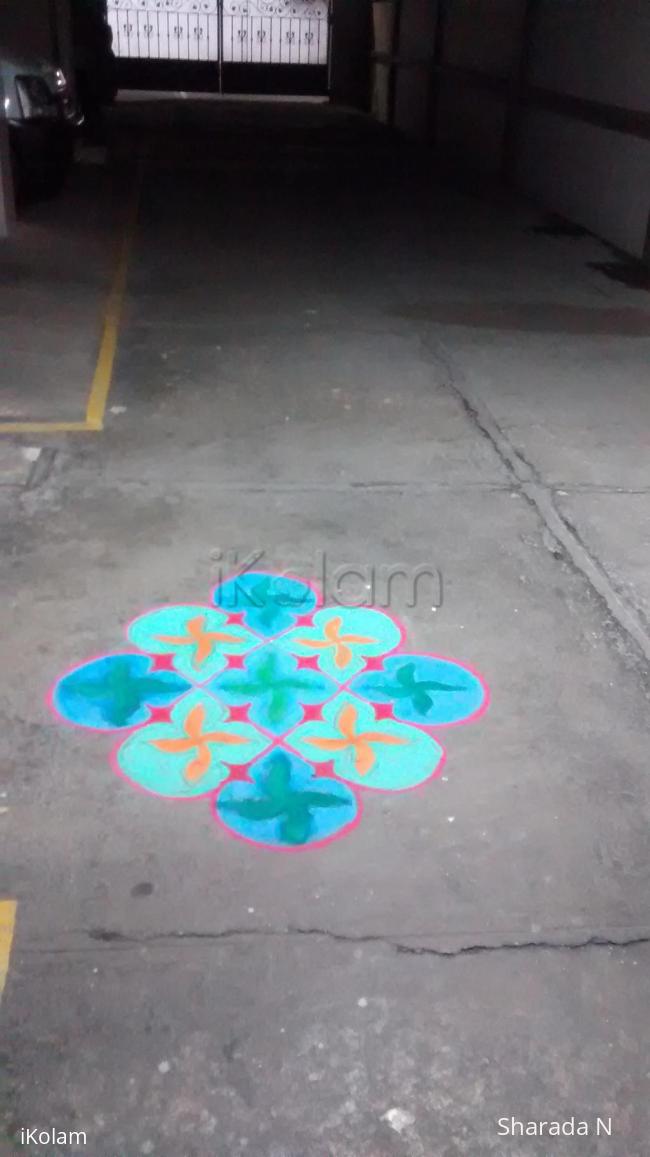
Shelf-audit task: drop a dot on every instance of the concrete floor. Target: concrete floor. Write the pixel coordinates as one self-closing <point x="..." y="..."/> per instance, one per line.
<point x="52" y="297"/>
<point x="322" y="352"/>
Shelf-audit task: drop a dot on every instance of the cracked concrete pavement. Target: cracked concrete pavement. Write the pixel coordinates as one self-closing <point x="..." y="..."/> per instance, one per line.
<point x="325" y="352"/>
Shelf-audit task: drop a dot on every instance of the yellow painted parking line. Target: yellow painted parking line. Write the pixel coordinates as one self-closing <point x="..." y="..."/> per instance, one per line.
<point x="7" y="925"/>
<point x="103" y="376"/>
<point x="41" y="427"/>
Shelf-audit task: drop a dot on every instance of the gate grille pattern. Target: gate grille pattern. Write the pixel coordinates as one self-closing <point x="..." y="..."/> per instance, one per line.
<point x="234" y="31"/>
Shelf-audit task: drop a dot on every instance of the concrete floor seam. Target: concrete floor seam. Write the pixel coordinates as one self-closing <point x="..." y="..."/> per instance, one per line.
<point x="630" y="618"/>
<point x="198" y="487"/>
<point x="540" y="496"/>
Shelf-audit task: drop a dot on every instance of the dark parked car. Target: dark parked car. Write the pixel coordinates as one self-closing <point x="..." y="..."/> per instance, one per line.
<point x="42" y="118"/>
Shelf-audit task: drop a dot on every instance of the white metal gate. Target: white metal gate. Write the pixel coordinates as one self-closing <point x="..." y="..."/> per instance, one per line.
<point x="275" y="31"/>
<point x="222" y="32"/>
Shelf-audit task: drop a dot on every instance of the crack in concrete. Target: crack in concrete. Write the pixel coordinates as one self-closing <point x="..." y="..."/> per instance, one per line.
<point x="110" y="936"/>
<point x="524" y="945"/>
<point x="541" y="497"/>
<point x="593" y="941"/>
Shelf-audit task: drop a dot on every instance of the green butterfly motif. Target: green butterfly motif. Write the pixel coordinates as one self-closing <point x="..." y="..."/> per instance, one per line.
<point x="280" y="799"/>
<point x="406" y="686"/>
<point x="117" y="690"/>
<point x="269" y="681"/>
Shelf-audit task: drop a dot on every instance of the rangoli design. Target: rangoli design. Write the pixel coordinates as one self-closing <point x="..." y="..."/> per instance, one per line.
<point x="277" y="710"/>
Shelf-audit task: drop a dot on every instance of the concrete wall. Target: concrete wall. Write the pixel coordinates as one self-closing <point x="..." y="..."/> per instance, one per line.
<point x="479" y="35"/>
<point x="484" y="34"/>
<point x="596" y="177"/>
<point x="37" y="28"/>
<point x="502" y="103"/>
<point x="597" y="50"/>
<point x="470" y="127"/>
<point x="27" y="27"/>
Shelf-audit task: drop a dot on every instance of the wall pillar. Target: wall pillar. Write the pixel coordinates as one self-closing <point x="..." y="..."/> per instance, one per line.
<point x="7" y="200"/>
<point x="518" y="82"/>
<point x="350" y="47"/>
<point x="437" y="61"/>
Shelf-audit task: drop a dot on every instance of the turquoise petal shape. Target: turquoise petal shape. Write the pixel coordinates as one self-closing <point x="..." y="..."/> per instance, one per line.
<point x="370" y="752"/>
<point x="342" y="638"/>
<point x="193" y="753"/>
<point x="115" y="691"/>
<point x="424" y="689"/>
<point x="285" y="805"/>
<point x="198" y="638"/>
<point x="269" y="603"/>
